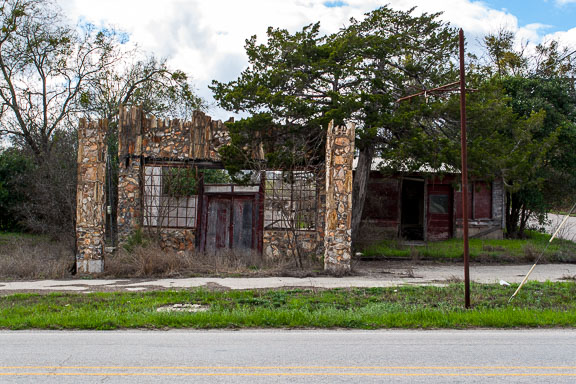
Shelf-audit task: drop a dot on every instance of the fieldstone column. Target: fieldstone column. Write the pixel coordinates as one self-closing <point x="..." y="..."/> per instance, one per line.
<point x="130" y="173"/>
<point x="90" y="200"/>
<point x="338" y="226"/>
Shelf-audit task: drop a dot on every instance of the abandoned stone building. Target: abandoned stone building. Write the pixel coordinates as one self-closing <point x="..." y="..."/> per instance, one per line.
<point x="166" y="186"/>
<point x="169" y="185"/>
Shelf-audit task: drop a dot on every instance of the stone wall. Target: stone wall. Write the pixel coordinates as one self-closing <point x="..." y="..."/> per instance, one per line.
<point x="279" y="244"/>
<point x="177" y="239"/>
<point x="198" y="139"/>
<point x="338" y="232"/>
<point x="144" y="139"/>
<point x="90" y="200"/>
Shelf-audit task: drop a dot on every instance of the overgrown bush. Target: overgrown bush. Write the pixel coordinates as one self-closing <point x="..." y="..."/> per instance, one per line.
<point x="13" y="167"/>
<point x="45" y="191"/>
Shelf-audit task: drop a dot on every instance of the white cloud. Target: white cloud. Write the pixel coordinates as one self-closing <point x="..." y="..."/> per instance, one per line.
<point x="564" y="38"/>
<point x="531" y="33"/>
<point x="564" y="2"/>
<point x="206" y="38"/>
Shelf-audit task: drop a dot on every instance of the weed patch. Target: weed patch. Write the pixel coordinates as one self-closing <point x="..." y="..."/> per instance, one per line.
<point x="150" y="260"/>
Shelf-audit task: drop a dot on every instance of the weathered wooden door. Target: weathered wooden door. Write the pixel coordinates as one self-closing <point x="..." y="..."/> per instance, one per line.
<point x="439" y="212"/>
<point x="243" y="228"/>
<point x="218" y="224"/>
<point x="229" y="222"/>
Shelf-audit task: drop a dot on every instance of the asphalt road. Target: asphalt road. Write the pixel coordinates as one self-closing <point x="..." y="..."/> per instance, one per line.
<point x="263" y="356"/>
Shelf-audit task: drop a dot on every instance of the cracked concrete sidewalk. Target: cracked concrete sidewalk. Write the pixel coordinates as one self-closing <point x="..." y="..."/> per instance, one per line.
<point x="379" y="274"/>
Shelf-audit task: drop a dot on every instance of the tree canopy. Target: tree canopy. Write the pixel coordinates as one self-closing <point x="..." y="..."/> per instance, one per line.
<point x="296" y="83"/>
<point x="521" y="126"/>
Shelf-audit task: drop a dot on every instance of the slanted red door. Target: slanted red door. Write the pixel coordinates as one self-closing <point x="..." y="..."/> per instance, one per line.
<point x="439" y="212"/>
<point x="229" y="223"/>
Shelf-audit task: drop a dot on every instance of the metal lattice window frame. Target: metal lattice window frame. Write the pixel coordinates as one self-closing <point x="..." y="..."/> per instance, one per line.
<point x="169" y="197"/>
<point x="291" y="200"/>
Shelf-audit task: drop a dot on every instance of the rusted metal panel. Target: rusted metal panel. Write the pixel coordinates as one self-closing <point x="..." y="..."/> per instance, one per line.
<point x="218" y="224"/>
<point x="458" y="201"/>
<point x="482" y="200"/>
<point x="439" y="211"/>
<point x="243" y="223"/>
<point x="479" y="201"/>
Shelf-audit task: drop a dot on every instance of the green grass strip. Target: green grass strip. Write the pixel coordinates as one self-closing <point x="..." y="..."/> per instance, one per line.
<point x="497" y="250"/>
<point x="538" y="305"/>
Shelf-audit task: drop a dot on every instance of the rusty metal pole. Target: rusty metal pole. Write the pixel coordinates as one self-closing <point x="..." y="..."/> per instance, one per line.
<point x="464" y="173"/>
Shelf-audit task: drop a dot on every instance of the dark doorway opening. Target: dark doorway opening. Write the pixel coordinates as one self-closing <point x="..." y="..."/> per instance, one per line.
<point x="412" y="209"/>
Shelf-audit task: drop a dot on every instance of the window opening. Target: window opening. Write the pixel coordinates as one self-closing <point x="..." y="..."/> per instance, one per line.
<point x="170" y="196"/>
<point x="291" y="200"/>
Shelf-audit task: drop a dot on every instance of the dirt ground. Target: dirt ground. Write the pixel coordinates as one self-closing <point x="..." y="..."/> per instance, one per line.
<point x="369" y="274"/>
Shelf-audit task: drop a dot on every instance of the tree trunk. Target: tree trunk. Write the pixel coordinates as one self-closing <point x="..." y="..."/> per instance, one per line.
<point x="523" y="221"/>
<point x="513" y="219"/>
<point x="361" y="177"/>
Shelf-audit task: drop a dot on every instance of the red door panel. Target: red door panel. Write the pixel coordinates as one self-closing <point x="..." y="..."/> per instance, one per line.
<point x="229" y="222"/>
<point x="218" y="224"/>
<point x="439" y="212"/>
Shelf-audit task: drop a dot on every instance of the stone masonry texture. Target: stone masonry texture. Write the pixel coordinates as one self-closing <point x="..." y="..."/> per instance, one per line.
<point x="338" y="232"/>
<point x="146" y="140"/>
<point x="90" y="204"/>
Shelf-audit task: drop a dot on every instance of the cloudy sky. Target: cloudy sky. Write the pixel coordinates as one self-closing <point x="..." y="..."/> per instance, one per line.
<point x="205" y="38"/>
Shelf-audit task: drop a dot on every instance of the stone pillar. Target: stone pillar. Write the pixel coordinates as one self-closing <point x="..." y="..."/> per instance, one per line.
<point x="90" y="200"/>
<point x="130" y="175"/>
<point x="338" y="226"/>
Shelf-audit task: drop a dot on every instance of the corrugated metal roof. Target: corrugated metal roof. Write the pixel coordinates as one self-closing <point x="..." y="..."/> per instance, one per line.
<point x="378" y="163"/>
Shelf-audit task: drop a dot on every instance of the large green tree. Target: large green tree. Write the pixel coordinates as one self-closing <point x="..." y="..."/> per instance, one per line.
<point x="296" y="83"/>
<point x="551" y="181"/>
<point x="521" y="126"/>
<point x="537" y="83"/>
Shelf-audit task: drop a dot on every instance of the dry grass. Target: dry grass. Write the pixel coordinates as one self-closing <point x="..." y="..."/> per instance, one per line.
<point x="454" y="280"/>
<point x="33" y="257"/>
<point x="152" y="261"/>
